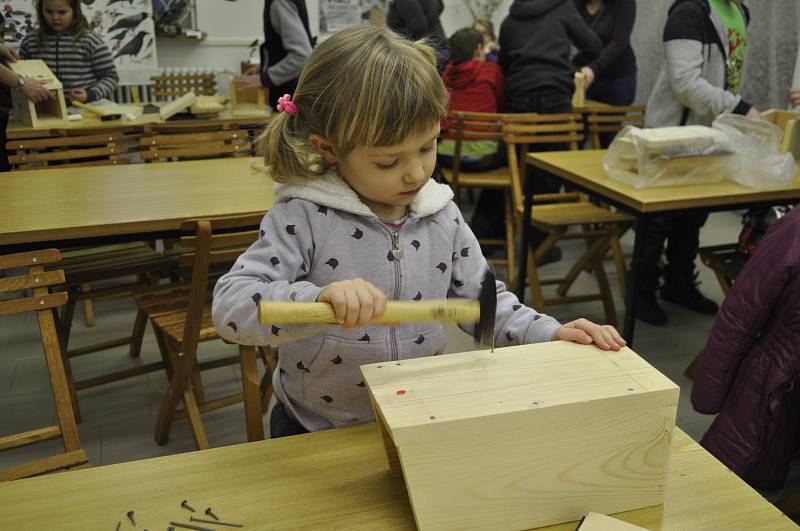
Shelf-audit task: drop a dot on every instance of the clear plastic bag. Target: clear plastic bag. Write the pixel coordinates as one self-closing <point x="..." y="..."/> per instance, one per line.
<point x="757" y="163"/>
<point x="669" y="156"/>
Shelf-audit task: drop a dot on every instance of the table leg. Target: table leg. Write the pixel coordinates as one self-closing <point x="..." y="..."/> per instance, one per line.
<point x="635" y="278"/>
<point x="522" y="259"/>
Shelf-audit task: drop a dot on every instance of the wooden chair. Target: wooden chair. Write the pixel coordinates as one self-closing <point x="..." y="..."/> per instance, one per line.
<point x="43" y="303"/>
<point x="168" y="87"/>
<point x="196" y="145"/>
<point x="469" y="126"/>
<point x="64" y="151"/>
<point x="606" y="120"/>
<point x="181" y="318"/>
<point x="599" y="227"/>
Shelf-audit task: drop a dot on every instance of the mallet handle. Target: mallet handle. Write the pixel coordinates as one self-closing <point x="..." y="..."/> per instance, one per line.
<point x="447" y="311"/>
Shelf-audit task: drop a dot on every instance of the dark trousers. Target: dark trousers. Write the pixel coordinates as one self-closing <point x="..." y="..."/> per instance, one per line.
<point x="4" y="165"/>
<point x="682" y="234"/>
<point x="542" y="101"/>
<point x="282" y="425"/>
<point x="618" y="91"/>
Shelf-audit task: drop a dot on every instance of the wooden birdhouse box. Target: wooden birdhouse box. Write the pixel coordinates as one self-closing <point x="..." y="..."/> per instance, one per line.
<point x="49" y="113"/>
<point x="789" y="123"/>
<point x="526" y="436"/>
<point x="246" y="99"/>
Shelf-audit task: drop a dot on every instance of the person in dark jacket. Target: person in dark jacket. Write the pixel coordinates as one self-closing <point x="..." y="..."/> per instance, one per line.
<point x="536" y="41"/>
<point x="611" y="77"/>
<point x="749" y="370"/>
<point x="419" y="19"/>
<point x="287" y="44"/>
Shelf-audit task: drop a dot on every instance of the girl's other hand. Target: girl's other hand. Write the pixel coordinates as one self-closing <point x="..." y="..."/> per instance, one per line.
<point x="586" y="332"/>
<point x="355" y="302"/>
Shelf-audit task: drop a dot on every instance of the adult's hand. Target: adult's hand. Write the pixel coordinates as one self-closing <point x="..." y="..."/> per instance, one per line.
<point x="8" y="53"/>
<point x="36" y="92"/>
<point x="588" y="76"/>
<point x="794" y="98"/>
<point x="754" y="114"/>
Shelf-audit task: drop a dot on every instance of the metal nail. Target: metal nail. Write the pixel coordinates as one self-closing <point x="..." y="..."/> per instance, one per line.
<point x="119" y="524"/>
<point x="130" y="517"/>
<point x="210" y="513"/>
<point x="215" y="522"/>
<point x="190" y="526"/>
<point x="186" y="505"/>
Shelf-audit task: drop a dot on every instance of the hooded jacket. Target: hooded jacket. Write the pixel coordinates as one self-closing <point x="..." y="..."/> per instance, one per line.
<point x="320" y="232"/>
<point x="418" y="19"/>
<point x="751" y="364"/>
<point x="536" y="40"/>
<point x="474" y="86"/>
<point x="691" y="87"/>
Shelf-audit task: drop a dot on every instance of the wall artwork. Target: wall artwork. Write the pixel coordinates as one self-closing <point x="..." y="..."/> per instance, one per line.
<point x="336" y="15"/>
<point x="126" y="26"/>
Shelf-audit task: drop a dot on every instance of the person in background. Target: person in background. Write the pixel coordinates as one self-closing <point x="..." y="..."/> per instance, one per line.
<point x="486" y="29"/>
<point x="358" y="221"/>
<point x="749" y="372"/>
<point x="611" y="76"/>
<point x="794" y="98"/>
<point x="286" y="47"/>
<point x="475" y="85"/>
<point x="536" y="42"/>
<point x="78" y="57"/>
<point x="419" y="19"/>
<point x="705" y="43"/>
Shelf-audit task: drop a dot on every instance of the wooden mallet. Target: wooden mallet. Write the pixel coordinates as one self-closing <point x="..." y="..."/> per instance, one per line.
<point x="461" y="311"/>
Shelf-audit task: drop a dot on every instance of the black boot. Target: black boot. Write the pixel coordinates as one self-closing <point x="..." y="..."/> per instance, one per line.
<point x="684" y="292"/>
<point x="649" y="311"/>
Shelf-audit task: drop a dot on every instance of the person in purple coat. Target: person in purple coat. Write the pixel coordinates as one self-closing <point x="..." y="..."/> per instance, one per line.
<point x="750" y="367"/>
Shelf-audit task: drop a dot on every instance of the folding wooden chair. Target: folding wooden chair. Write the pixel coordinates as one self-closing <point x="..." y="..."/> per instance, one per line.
<point x="168" y="87"/>
<point x="161" y="146"/>
<point x="599" y="227"/>
<point x="607" y="120"/>
<point x="98" y="149"/>
<point x="43" y="303"/>
<point x="470" y="126"/>
<point x="181" y="318"/>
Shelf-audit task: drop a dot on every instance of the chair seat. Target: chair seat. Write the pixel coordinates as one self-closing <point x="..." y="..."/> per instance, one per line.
<point x="499" y="178"/>
<point x="113" y="261"/>
<point x="167" y="310"/>
<point x="580" y="213"/>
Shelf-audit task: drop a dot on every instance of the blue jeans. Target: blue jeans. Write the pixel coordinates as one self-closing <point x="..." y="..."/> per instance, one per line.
<point x="282" y="425"/>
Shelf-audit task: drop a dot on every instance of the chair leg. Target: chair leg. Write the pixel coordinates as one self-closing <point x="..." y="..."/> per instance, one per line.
<point x="88" y="308"/>
<point x="619" y="260"/>
<point x="179" y="388"/>
<point x="269" y="356"/>
<point x="594" y="251"/>
<point x="139" y="326"/>
<point x="70" y="381"/>
<point x="67" y="314"/>
<point x="605" y="293"/>
<point x="510" y="244"/>
<point x="196" y="423"/>
<point x="163" y="349"/>
<point x="252" y="393"/>
<point x="197" y="386"/>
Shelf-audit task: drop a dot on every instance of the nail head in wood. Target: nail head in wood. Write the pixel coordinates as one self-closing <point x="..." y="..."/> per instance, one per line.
<point x="185" y="505"/>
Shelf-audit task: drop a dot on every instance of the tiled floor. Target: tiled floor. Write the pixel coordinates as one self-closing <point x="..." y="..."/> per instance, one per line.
<point x="119" y="418"/>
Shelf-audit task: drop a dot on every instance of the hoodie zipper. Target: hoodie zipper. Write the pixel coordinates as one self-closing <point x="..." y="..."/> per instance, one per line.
<point x="397" y="252"/>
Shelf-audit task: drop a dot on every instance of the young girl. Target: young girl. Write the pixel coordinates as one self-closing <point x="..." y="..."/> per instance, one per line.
<point x="486" y="29"/>
<point x="358" y="221"/>
<point x="78" y="57"/>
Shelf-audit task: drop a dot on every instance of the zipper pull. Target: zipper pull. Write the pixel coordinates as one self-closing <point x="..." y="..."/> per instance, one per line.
<point x="397" y="252"/>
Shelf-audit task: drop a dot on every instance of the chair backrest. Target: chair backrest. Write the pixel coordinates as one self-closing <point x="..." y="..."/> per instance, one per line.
<point x="461" y="126"/>
<point x="216" y="142"/>
<point x="94" y="149"/>
<point x="210" y="247"/>
<point x="169" y="87"/>
<point x="612" y="120"/>
<point x="521" y="131"/>
<point x="34" y="277"/>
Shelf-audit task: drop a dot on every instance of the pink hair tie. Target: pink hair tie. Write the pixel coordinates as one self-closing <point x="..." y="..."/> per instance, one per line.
<point x="285" y="104"/>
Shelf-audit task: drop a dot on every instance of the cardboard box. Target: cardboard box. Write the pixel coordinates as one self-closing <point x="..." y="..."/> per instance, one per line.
<point x="526" y="436"/>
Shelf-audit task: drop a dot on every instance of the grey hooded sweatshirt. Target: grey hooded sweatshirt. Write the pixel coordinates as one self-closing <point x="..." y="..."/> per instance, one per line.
<point x="320" y="232"/>
<point x="691" y="87"/>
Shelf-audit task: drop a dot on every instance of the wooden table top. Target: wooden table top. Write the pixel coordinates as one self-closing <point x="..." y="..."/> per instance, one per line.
<point x="85" y="202"/>
<point x="331" y="480"/>
<point x="245" y="111"/>
<point x="585" y="169"/>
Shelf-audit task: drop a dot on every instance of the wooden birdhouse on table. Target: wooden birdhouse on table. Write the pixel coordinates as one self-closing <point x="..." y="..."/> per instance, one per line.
<point x="49" y="113"/>
<point x="526" y="436"/>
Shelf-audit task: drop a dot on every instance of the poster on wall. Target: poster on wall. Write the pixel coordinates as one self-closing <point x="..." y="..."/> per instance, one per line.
<point x="126" y="26"/>
<point x="335" y="15"/>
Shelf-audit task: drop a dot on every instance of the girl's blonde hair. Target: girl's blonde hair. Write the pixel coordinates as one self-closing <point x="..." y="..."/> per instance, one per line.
<point x="364" y="86"/>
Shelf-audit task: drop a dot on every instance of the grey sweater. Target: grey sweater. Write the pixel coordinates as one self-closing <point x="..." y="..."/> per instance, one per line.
<point x="319" y="233"/>
<point x="691" y="87"/>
